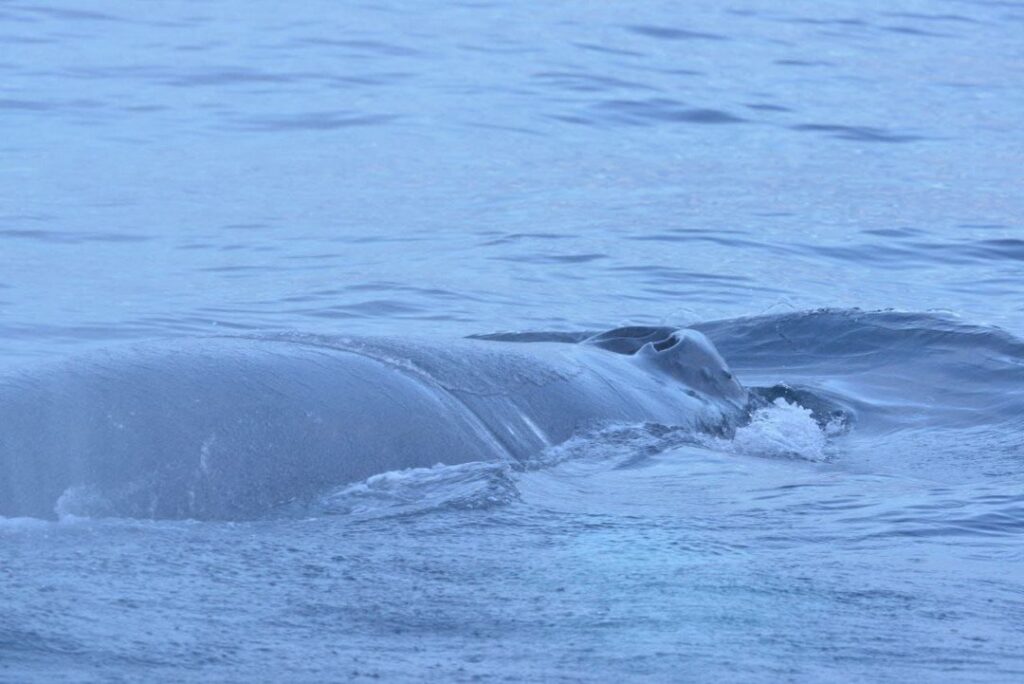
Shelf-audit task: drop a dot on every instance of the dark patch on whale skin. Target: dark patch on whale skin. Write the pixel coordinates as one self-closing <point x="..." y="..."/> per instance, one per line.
<point x="523" y="337"/>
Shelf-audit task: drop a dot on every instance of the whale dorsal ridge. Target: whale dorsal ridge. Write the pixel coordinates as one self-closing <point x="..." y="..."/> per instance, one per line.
<point x="630" y="339"/>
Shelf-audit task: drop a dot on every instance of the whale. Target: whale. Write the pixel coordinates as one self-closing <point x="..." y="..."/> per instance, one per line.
<point x="232" y="427"/>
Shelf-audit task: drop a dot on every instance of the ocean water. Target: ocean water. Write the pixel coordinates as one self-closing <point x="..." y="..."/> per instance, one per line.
<point x="831" y="192"/>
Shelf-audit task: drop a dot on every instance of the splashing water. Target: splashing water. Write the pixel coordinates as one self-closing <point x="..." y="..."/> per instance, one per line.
<point x="783" y="430"/>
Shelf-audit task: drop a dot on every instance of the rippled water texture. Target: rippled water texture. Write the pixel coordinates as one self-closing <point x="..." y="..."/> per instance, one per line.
<point x="472" y="166"/>
<point x="831" y="192"/>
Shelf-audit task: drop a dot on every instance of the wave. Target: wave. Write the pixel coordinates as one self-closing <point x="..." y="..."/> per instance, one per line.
<point x="893" y="370"/>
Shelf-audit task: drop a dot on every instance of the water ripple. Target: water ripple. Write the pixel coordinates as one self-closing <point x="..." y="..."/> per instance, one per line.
<point x="312" y="121"/>
<point x="859" y="133"/>
<point x="668" y="33"/>
<point x="656" y="111"/>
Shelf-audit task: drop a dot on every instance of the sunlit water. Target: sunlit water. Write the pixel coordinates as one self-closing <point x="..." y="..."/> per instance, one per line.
<point x="447" y="169"/>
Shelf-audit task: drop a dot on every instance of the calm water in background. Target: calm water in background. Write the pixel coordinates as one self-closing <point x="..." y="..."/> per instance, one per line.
<point x="445" y="169"/>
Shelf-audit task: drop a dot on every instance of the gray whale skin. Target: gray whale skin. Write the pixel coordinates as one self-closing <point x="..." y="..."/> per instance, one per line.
<point x="223" y="428"/>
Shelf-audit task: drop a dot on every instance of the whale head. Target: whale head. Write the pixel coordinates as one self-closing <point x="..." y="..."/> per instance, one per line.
<point x="683" y="354"/>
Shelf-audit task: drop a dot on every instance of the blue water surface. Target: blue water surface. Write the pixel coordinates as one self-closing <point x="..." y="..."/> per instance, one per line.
<point x="832" y="192"/>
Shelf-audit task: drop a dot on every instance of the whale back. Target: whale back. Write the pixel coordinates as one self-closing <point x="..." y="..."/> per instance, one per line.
<point x="231" y="427"/>
<point x="217" y="428"/>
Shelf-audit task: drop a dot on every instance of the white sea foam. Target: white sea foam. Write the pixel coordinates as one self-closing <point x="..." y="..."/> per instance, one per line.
<point x="473" y="485"/>
<point x="782" y="430"/>
<point x="22" y="523"/>
<point x="626" y="443"/>
<point x="81" y="502"/>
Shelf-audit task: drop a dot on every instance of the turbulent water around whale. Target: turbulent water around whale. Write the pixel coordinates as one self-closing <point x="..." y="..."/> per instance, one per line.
<point x="467" y="341"/>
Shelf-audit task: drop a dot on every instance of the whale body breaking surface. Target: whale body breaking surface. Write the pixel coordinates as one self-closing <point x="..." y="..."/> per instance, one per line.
<point x="228" y="428"/>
